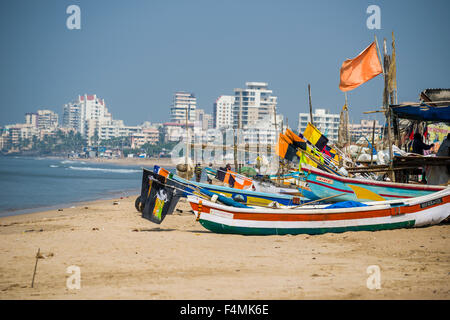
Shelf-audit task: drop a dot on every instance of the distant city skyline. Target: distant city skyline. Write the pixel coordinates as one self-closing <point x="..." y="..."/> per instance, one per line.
<point x="137" y="55"/>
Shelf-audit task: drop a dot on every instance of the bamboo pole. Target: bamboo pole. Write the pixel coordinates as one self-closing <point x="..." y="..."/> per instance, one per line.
<point x="376" y="111"/>
<point x="310" y="104"/>
<point x="373" y="142"/>
<point x="385" y="67"/>
<point x="387" y="107"/>
<point x="379" y="54"/>
<point x="187" y="140"/>
<point x="235" y="150"/>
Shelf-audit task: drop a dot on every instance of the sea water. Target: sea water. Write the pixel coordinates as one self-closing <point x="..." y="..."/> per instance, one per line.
<point x="35" y="184"/>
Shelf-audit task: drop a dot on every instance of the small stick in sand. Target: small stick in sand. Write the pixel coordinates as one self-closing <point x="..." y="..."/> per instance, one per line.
<point x="35" y="266"/>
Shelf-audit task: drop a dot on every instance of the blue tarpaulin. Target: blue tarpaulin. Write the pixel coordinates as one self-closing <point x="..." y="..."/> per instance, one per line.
<point x="346" y="204"/>
<point x="423" y="112"/>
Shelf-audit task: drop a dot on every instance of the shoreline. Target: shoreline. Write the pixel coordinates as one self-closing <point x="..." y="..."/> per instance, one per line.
<point x="163" y="162"/>
<point x="21" y="208"/>
<point x="119" y="161"/>
<point x="67" y="205"/>
<point x="123" y="256"/>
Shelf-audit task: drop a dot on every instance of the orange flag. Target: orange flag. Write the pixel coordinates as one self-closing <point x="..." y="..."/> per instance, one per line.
<point x="356" y="71"/>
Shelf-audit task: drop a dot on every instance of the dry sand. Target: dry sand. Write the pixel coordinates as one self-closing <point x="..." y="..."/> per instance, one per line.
<point x="122" y="256"/>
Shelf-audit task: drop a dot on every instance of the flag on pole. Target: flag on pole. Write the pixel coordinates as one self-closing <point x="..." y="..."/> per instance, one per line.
<point x="285" y="148"/>
<point x="313" y="135"/>
<point x="356" y="71"/>
<point x="303" y="159"/>
<point x="332" y="153"/>
<point x="161" y="171"/>
<point x="233" y="179"/>
<point x="159" y="199"/>
<point x="296" y="140"/>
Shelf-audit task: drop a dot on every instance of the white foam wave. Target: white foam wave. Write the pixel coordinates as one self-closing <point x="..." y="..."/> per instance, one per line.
<point x="53" y="166"/>
<point x="104" y="169"/>
<point x="68" y="161"/>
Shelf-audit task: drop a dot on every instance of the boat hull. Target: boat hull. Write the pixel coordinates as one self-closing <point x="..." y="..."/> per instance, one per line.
<point x="267" y="231"/>
<point x="248" y="197"/>
<point x="324" y="184"/>
<point x="417" y="212"/>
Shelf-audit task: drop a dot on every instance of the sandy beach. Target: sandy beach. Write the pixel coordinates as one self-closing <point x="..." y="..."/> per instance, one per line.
<point x="122" y="256"/>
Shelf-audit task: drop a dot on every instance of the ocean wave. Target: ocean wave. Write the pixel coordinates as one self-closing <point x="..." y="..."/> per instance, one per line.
<point x="53" y="166"/>
<point x="104" y="169"/>
<point x="68" y="161"/>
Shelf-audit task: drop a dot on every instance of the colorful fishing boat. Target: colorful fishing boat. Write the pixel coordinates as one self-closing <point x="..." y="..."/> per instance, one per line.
<point x="287" y="184"/>
<point x="248" y="197"/>
<point x="324" y="184"/>
<point x="210" y="172"/>
<point x="318" y="219"/>
<point x="288" y="179"/>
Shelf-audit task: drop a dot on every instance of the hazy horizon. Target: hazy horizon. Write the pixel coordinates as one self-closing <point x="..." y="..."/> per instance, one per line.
<point x="135" y="55"/>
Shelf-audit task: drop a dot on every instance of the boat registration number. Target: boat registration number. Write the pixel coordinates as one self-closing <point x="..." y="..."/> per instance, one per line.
<point x="430" y="203"/>
<point x="221" y="213"/>
<point x="325" y="180"/>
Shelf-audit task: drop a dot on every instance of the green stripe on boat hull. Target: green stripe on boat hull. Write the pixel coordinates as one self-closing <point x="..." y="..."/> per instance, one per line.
<point x="222" y="228"/>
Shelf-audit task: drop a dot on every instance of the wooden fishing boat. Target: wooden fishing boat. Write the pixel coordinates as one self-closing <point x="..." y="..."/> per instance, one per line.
<point x="318" y="219"/>
<point x="292" y="178"/>
<point x="210" y="172"/>
<point x="286" y="184"/>
<point x="324" y="184"/>
<point x="248" y="197"/>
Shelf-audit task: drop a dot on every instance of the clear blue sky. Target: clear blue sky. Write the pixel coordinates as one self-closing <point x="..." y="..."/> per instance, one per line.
<point x="136" y="54"/>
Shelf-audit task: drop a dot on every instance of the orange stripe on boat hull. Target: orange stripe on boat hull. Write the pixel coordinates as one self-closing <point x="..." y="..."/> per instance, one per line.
<point x="323" y="216"/>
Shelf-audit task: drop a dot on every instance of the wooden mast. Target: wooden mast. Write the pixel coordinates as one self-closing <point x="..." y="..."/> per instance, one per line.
<point x="187" y="139"/>
<point x="235" y="137"/>
<point x="373" y="142"/>
<point x="386" y="107"/>
<point x="310" y="104"/>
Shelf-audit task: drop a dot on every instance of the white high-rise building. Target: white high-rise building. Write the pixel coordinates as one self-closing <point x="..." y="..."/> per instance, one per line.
<point x="365" y="129"/>
<point x="326" y="122"/>
<point x="47" y="120"/>
<point x="72" y="116"/>
<point x="86" y="115"/>
<point x="253" y="104"/>
<point x="181" y="102"/>
<point x="20" y="131"/>
<point x="31" y="118"/>
<point x="223" y="112"/>
<point x="117" y="129"/>
<point x="208" y="121"/>
<point x="264" y="131"/>
<point x="203" y="120"/>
